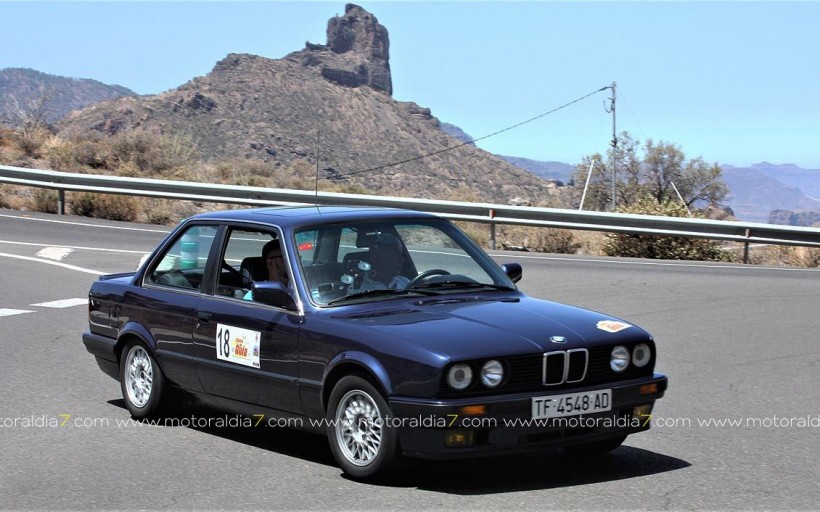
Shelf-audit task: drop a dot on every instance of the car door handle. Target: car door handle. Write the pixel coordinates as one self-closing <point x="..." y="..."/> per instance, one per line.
<point x="203" y="316"/>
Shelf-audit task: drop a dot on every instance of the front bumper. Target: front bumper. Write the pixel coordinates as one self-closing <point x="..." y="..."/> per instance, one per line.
<point x="507" y="425"/>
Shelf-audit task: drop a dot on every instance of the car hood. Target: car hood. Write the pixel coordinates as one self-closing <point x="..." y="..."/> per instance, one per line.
<point x="463" y="328"/>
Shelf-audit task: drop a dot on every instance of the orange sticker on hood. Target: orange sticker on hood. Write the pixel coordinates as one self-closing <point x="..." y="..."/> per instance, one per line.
<point x="612" y="325"/>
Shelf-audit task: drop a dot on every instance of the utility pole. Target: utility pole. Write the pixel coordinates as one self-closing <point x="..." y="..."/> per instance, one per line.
<point x="611" y="109"/>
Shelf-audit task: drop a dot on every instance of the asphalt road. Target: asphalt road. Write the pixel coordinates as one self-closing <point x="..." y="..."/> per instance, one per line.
<point x="738" y="343"/>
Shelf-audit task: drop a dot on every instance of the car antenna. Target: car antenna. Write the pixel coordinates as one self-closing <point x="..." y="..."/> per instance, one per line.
<point x="316" y="180"/>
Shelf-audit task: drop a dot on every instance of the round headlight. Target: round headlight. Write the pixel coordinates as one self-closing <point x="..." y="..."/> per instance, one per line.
<point x="492" y="373"/>
<point x="460" y="376"/>
<point x="619" y="359"/>
<point x="641" y="355"/>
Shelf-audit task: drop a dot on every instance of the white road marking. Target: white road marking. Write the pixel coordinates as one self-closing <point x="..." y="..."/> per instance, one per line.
<point x="124" y="251"/>
<point x="65" y="303"/>
<point x="54" y="253"/>
<point x="102" y="226"/>
<point x="10" y="312"/>
<point x="49" y="262"/>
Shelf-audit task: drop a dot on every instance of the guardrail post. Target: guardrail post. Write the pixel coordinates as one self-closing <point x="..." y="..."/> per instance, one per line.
<point x="746" y="247"/>
<point x="60" y="202"/>
<point x="492" y="230"/>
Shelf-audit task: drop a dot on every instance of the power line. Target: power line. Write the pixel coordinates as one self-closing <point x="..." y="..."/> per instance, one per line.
<point x="450" y="148"/>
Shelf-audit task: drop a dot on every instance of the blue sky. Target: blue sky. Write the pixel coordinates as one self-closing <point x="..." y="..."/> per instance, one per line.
<point x="733" y="82"/>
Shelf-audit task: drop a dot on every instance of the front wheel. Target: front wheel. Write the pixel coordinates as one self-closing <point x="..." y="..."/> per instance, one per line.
<point x="141" y="381"/>
<point x="361" y="441"/>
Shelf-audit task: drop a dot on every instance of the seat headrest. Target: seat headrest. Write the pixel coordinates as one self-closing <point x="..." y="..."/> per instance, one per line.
<point x="254" y="267"/>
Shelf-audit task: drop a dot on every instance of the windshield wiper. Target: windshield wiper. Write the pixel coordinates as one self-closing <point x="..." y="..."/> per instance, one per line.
<point x="463" y="284"/>
<point x="378" y="292"/>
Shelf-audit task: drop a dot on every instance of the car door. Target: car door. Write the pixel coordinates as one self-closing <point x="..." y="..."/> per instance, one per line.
<point x="167" y="305"/>
<point x="246" y="350"/>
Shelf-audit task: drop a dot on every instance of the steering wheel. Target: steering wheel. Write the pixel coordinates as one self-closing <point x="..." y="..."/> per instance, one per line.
<point x="424" y="275"/>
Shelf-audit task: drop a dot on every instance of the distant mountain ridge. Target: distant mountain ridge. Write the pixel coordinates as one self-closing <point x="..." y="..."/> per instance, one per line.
<point x="758" y="191"/>
<point x="54" y="96"/>
<point x="807" y="180"/>
<point x="547" y="170"/>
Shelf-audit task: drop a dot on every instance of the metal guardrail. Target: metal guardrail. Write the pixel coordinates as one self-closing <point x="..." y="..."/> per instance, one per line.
<point x="492" y="214"/>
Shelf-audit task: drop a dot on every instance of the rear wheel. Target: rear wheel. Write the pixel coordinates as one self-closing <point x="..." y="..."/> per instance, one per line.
<point x="141" y="381"/>
<point x="361" y="442"/>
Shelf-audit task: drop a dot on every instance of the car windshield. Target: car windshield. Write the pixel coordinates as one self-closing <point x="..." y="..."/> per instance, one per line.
<point x="382" y="260"/>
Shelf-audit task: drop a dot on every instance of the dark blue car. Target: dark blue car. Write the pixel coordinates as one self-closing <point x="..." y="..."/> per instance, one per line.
<point x="388" y="330"/>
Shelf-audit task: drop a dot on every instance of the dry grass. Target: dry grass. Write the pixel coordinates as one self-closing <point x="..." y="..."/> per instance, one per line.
<point x="778" y="255"/>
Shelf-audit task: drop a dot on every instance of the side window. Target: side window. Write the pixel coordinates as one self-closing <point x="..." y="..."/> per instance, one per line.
<point x="183" y="263"/>
<point x="245" y="262"/>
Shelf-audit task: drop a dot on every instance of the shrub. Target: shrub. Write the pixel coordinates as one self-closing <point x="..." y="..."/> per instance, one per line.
<point x="559" y="241"/>
<point x="662" y="247"/>
<point x="72" y="154"/>
<point x="159" y="211"/>
<point x="104" y="206"/>
<point x="3" y="193"/>
<point x="145" y="152"/>
<point x="44" y="200"/>
<point x="30" y="139"/>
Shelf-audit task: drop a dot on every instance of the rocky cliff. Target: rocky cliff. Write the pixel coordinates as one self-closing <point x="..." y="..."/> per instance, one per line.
<point x="333" y="100"/>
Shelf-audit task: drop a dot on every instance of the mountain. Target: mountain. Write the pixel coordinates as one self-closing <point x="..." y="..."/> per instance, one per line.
<point x="334" y="98"/>
<point x="757" y="191"/>
<point x="807" y="180"/>
<point x="456" y="133"/>
<point x="546" y="170"/>
<point x="26" y="91"/>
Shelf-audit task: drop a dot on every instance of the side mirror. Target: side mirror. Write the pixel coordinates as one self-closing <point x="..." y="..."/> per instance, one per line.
<point x="273" y="293"/>
<point x="513" y="271"/>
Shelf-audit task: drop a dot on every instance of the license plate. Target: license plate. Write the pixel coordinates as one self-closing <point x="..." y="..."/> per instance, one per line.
<point x="572" y="404"/>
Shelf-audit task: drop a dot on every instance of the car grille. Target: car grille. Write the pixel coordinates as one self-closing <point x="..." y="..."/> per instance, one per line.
<point x="565" y="366"/>
<point x="586" y="367"/>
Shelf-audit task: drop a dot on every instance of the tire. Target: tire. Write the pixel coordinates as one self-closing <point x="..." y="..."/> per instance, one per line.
<point x="362" y="444"/>
<point x="596" y="447"/>
<point x="141" y="380"/>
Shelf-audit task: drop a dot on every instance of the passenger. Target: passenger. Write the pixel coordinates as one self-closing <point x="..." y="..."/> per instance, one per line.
<point x="386" y="258"/>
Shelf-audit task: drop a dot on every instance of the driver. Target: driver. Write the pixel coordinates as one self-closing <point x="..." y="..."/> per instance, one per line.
<point x="387" y="259"/>
<point x="275" y="265"/>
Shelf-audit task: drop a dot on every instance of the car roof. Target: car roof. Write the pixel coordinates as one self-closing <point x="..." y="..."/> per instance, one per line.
<point x="295" y="216"/>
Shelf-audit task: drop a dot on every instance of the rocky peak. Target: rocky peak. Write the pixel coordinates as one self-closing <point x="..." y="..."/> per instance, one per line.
<point x="358" y="31"/>
<point x="357" y="51"/>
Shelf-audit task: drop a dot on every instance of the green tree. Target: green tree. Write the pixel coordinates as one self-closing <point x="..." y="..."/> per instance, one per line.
<point x="655" y="170"/>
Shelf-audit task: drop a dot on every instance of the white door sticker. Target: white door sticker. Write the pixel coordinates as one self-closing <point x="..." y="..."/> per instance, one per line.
<point x="237" y="345"/>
